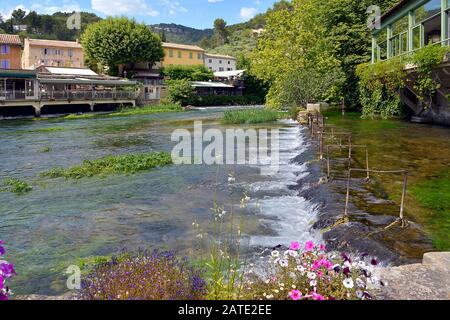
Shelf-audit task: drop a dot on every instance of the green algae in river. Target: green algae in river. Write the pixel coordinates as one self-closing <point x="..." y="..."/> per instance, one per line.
<point x="434" y="194"/>
<point x="128" y="164"/>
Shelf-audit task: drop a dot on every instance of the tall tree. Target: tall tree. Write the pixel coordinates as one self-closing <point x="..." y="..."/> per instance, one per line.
<point x="220" y="32"/>
<point x="119" y="41"/>
<point x="18" y="15"/>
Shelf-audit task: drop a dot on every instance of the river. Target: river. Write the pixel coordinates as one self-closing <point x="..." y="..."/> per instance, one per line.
<point x="48" y="229"/>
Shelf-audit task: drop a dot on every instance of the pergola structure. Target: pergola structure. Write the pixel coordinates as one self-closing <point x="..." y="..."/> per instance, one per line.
<point x="409" y="26"/>
<point x="49" y="86"/>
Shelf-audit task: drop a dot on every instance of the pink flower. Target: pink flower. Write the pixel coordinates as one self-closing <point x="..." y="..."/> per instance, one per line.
<point x="309" y="246"/>
<point x="295" y="246"/>
<point x="317" y="296"/>
<point x="320" y="274"/>
<point x="323" y="247"/>
<point x="295" y="295"/>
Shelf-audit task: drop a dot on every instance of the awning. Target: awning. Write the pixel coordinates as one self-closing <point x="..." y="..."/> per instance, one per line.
<point x="227" y="74"/>
<point x="202" y="84"/>
<point x="82" y="81"/>
<point x="15" y="73"/>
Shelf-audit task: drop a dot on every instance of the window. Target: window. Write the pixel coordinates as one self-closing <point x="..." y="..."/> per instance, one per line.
<point x="229" y="69"/>
<point x="220" y="61"/>
<point x="171" y="53"/>
<point x="229" y="62"/>
<point x="381" y="39"/>
<point x="45" y="51"/>
<point x="191" y="56"/>
<point x="199" y="56"/>
<point x="417" y="37"/>
<point x="430" y="9"/>
<point x="210" y="61"/>
<point x="180" y="54"/>
<point x="70" y="53"/>
<point x="221" y="69"/>
<point x="4" y="49"/>
<point x="4" y="64"/>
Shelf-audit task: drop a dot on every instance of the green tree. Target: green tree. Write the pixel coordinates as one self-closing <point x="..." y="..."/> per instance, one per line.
<point x="295" y="39"/>
<point x="191" y="73"/>
<point x="119" y="41"/>
<point x="179" y="91"/>
<point x="220" y="32"/>
<point x="18" y="15"/>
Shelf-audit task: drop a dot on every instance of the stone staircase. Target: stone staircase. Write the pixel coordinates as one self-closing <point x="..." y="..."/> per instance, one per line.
<point x="429" y="280"/>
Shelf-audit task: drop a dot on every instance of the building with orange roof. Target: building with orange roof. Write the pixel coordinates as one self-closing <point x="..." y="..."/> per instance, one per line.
<point x="10" y="51"/>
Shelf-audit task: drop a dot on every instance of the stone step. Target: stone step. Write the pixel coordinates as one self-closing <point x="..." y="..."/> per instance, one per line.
<point x="429" y="280"/>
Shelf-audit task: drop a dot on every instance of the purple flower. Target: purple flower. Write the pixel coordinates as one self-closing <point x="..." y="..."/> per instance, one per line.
<point x="1" y="282"/>
<point x="374" y="262"/>
<point x="7" y="269"/>
<point x="3" y="296"/>
<point x="2" y="250"/>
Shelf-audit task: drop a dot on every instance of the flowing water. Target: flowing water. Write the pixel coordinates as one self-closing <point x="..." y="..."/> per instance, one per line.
<point x="60" y="221"/>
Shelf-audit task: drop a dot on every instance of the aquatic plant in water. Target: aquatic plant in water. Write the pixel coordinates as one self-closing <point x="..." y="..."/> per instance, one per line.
<point x="250" y="116"/>
<point x="16" y="186"/>
<point x="127" y="164"/>
<point x="145" y="276"/>
<point x="308" y="272"/>
<point x="6" y="272"/>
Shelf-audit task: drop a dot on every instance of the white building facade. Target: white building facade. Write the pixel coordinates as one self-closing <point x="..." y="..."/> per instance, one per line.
<point x="220" y="63"/>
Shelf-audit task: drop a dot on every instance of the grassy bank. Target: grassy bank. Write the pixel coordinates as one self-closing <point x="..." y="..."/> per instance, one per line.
<point x="250" y="116"/>
<point x="434" y="194"/>
<point x="131" y="111"/>
<point x="122" y="164"/>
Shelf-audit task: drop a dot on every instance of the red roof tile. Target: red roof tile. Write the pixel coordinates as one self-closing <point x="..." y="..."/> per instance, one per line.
<point x="10" y="39"/>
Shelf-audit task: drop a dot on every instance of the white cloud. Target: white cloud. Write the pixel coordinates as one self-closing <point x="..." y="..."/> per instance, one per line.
<point x="174" y="6"/>
<point x="50" y="6"/>
<point x="247" y="13"/>
<point x="214" y="1"/>
<point x="127" y="7"/>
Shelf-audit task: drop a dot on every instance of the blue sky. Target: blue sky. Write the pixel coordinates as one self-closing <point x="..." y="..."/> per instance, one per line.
<point x="192" y="13"/>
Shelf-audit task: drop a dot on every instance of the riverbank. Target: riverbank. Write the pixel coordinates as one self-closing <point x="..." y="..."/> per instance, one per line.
<point x="374" y="205"/>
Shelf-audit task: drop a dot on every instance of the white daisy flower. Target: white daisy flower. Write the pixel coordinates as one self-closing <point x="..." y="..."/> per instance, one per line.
<point x="348" y="283"/>
<point x="284" y="263"/>
<point x="312" y="276"/>
<point x="275" y="254"/>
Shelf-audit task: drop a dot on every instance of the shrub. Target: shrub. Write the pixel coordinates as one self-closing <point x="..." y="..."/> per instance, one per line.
<point x="16" y="186"/>
<point x="128" y="164"/>
<point x="214" y="100"/>
<point x="179" y="92"/>
<point x="309" y="273"/>
<point x="155" y="276"/>
<point x="249" y="116"/>
<point x="191" y="73"/>
<point x="6" y="272"/>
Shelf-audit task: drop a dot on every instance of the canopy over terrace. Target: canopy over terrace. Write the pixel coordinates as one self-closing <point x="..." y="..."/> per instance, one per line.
<point x="74" y="84"/>
<point x="409" y="26"/>
<point x="17" y="84"/>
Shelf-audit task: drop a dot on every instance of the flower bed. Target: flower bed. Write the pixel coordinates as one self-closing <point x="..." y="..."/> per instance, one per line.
<point x="6" y="272"/>
<point x="309" y="273"/>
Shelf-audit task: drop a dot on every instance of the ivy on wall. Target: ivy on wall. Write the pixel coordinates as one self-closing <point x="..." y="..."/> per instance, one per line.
<point x="380" y="83"/>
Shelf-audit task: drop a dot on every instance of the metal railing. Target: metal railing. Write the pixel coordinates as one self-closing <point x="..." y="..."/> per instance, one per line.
<point x="87" y="95"/>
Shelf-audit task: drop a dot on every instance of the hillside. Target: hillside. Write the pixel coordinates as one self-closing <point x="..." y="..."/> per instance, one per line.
<point x="179" y="33"/>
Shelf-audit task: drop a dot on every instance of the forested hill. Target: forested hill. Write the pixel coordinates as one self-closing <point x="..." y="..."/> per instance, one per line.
<point x="44" y="26"/>
<point x="171" y="32"/>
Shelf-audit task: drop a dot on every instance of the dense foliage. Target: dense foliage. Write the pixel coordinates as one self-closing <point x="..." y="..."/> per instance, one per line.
<point x="192" y="73"/>
<point x="379" y="88"/>
<point x="180" y="91"/>
<point x="121" y="164"/>
<point x="45" y="26"/>
<point x="380" y="83"/>
<point x="216" y="100"/>
<point x="119" y="41"/>
<point x="425" y="60"/>
<point x="249" y="116"/>
<point x="16" y="186"/>
<point x="145" y="276"/>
